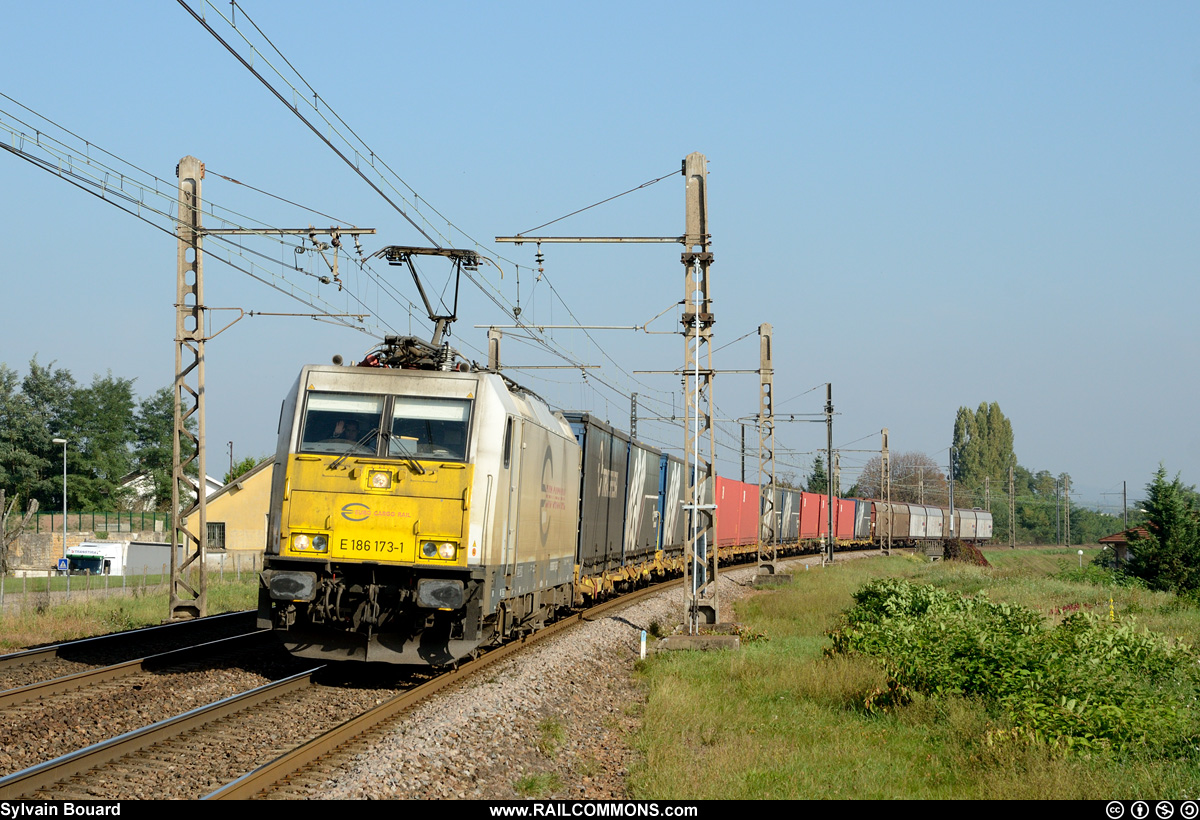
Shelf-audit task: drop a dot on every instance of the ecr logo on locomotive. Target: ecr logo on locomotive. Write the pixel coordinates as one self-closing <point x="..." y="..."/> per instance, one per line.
<point x="356" y="512"/>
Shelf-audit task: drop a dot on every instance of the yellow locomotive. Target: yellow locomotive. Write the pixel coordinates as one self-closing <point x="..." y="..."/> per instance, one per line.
<point x="419" y="510"/>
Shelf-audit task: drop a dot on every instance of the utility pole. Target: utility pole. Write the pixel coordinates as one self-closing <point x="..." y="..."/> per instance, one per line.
<point x="1124" y="505"/>
<point x="1067" y="508"/>
<point x="743" y="426"/>
<point x="1012" y="511"/>
<point x="633" y="415"/>
<point x="829" y="460"/>
<point x="837" y="474"/>
<point x="1057" y="511"/>
<point x="987" y="493"/>
<point x="920" y="485"/>
<point x="701" y="553"/>
<point x="494" y="336"/>
<point x="189" y="600"/>
<point x="768" y="532"/>
<point x="885" y="487"/>
<point x="951" y="494"/>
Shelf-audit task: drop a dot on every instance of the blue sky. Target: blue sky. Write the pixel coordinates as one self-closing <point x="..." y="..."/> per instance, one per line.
<point x="935" y="205"/>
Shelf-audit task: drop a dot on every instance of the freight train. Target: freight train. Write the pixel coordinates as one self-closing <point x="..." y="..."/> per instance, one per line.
<point x="423" y="509"/>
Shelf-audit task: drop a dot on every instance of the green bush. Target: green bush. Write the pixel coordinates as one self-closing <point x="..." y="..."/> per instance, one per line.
<point x="1083" y="684"/>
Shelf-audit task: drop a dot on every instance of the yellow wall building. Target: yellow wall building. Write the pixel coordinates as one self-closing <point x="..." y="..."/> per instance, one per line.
<point x="237" y="513"/>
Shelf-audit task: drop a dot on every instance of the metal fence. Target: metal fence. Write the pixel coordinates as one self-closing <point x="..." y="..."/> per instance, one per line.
<point x="38" y="592"/>
<point x="103" y="522"/>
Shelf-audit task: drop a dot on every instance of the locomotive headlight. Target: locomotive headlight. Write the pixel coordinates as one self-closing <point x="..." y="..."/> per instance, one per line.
<point x="380" y="480"/>
<point x="310" y="543"/>
<point x="445" y="550"/>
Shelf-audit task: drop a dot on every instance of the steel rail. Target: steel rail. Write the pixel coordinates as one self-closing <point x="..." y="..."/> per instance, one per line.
<point x="91" y="677"/>
<point x="28" y="781"/>
<point x="44" y="653"/>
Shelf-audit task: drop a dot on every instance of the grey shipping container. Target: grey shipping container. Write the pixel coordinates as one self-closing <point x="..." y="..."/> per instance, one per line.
<point x="602" y="488"/>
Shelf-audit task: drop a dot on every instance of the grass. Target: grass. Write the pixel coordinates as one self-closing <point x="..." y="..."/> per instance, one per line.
<point x="781" y="720"/>
<point x="47" y="620"/>
<point x="551" y="734"/>
<point x="538" y="785"/>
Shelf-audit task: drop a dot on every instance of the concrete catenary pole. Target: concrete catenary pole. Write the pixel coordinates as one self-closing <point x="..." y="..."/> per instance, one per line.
<point x="188" y="596"/>
<point x="768" y="526"/>
<point x="701" y="552"/>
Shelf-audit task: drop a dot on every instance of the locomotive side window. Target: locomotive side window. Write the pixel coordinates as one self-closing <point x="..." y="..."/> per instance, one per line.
<point x="429" y="428"/>
<point x="508" y="442"/>
<point x="341" y="423"/>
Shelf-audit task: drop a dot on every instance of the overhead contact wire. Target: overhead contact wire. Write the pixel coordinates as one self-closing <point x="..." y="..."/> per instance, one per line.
<point x="305" y="120"/>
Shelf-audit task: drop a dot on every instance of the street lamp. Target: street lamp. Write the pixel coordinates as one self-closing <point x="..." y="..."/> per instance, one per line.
<point x="63" y="442"/>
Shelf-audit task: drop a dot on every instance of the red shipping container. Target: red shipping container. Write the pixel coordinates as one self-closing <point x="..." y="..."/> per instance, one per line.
<point x="844" y="526"/>
<point x="729" y="511"/>
<point x="748" y="523"/>
<point x="810" y="507"/>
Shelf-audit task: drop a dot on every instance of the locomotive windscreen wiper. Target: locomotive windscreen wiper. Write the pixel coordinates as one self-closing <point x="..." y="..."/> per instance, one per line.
<point x="374" y="431"/>
<point x="408" y="457"/>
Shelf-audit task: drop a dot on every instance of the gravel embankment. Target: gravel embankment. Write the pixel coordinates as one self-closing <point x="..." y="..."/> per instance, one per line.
<point x="40" y="730"/>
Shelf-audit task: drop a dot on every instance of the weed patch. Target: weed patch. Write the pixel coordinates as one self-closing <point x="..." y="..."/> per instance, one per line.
<point x="551" y="734"/>
<point x="542" y="784"/>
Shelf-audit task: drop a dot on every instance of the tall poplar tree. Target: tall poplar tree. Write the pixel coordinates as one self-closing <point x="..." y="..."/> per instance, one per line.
<point x="983" y="447"/>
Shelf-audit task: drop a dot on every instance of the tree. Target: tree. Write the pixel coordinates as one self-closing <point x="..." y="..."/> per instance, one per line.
<point x="11" y="528"/>
<point x="818" y="479"/>
<point x="154" y="435"/>
<point x="916" y="479"/>
<point x="1168" y="558"/>
<point x="107" y="439"/>
<point x="242" y="467"/>
<point x="45" y="413"/>
<point x="102" y="428"/>
<point x="785" y="479"/>
<point x="983" y="448"/>
<point x="19" y="468"/>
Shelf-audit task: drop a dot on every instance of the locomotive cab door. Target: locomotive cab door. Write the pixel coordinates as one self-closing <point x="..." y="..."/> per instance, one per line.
<point x="510" y="477"/>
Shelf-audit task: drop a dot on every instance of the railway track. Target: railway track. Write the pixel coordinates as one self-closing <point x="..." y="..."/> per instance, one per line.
<point x="188" y="754"/>
<point x="47" y="662"/>
<point x="54" y="716"/>
<point x="304" y="764"/>
<point x="206" y="751"/>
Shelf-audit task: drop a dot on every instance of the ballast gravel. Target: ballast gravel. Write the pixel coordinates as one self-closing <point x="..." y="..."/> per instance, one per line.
<point x="553" y="722"/>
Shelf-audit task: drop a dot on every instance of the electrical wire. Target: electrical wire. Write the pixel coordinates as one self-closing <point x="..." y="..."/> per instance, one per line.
<point x="603" y="201"/>
<point x="372" y="159"/>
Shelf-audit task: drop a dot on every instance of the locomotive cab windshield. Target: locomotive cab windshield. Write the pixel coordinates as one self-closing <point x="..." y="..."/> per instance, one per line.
<point x="413" y="427"/>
